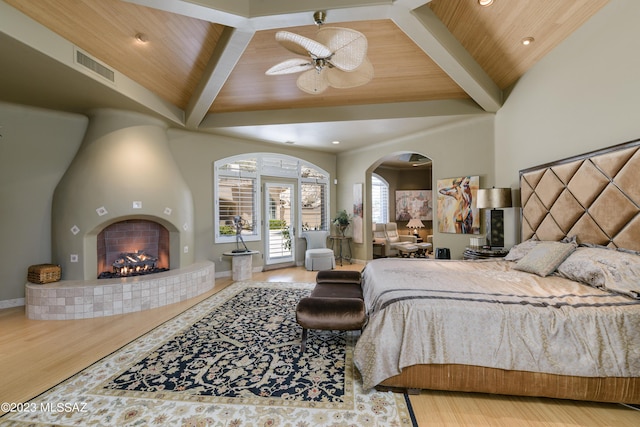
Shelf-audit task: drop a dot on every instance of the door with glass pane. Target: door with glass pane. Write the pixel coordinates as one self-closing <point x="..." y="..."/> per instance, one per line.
<point x="280" y="214"/>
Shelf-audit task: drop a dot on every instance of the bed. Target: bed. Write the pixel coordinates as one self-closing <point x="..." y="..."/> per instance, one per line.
<point x="558" y="317"/>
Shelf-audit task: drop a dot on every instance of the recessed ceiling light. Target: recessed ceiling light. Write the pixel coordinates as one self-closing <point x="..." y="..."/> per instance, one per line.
<point x="527" y="41"/>
<point x="141" y="38"/>
<point x="335" y="142"/>
<point x="485" y="2"/>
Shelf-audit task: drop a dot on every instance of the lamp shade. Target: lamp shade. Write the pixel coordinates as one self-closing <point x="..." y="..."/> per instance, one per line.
<point x="415" y="223"/>
<point x="493" y="198"/>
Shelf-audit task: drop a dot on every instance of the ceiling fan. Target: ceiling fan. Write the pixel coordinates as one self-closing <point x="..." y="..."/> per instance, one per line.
<point x="338" y="58"/>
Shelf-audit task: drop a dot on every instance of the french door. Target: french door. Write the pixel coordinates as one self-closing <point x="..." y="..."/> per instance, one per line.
<point x="280" y="213"/>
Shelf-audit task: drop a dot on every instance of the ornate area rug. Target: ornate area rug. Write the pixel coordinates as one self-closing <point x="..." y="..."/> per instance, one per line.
<point x="231" y="360"/>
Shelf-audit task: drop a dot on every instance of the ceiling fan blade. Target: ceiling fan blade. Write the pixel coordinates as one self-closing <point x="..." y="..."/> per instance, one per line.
<point x="343" y="79"/>
<point x="313" y="82"/>
<point x="290" y="66"/>
<point x="349" y="46"/>
<point x="302" y="45"/>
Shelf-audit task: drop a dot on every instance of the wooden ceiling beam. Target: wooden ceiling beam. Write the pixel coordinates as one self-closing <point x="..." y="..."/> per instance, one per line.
<point x="433" y="37"/>
<point x="450" y="107"/>
<point x="230" y="48"/>
<point x="413" y="17"/>
<point x="192" y="10"/>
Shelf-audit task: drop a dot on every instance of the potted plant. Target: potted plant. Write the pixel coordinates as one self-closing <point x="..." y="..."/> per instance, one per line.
<point x="342" y="221"/>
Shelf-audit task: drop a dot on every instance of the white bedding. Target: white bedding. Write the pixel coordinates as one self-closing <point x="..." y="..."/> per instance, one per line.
<point x="484" y="313"/>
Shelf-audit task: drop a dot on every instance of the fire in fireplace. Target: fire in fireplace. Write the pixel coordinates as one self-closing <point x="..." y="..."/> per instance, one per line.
<point x="134" y="264"/>
<point x="132" y="248"/>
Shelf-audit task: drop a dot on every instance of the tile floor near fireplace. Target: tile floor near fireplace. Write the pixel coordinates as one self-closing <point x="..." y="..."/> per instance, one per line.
<point x="82" y="299"/>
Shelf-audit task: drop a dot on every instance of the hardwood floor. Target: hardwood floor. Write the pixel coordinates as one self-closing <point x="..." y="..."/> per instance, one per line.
<point x="37" y="355"/>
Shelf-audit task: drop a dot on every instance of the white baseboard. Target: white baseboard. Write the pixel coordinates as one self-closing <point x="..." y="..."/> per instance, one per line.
<point x="8" y="303"/>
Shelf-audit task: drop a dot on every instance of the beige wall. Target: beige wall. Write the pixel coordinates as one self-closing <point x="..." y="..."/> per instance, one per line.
<point x="580" y="97"/>
<point x="36" y="148"/>
<point x="195" y="154"/>
<point x="461" y="148"/>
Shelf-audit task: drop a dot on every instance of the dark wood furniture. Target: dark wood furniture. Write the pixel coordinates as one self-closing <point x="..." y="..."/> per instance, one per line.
<point x="338" y="245"/>
<point x="378" y="250"/>
<point x="478" y="252"/>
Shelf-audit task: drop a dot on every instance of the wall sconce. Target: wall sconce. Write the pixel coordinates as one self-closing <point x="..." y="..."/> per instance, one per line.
<point x="415" y="223"/>
<point x="492" y="198"/>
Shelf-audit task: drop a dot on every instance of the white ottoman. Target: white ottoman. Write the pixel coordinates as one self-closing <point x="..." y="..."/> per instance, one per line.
<point x="319" y="259"/>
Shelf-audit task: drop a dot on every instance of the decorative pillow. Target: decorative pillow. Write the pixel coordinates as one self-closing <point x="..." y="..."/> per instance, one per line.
<point x="521" y="249"/>
<point x="545" y="258"/>
<point x="604" y="268"/>
<point x="582" y="266"/>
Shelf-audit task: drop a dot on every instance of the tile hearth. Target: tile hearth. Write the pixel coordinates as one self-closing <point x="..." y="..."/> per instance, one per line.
<point x="83" y="299"/>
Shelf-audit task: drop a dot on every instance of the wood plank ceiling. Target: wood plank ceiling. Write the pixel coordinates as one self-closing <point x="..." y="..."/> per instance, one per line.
<point x="182" y="57"/>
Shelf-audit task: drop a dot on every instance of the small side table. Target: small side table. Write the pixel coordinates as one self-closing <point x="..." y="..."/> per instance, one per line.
<point x="341" y="241"/>
<point x="241" y="264"/>
<point x="478" y="252"/>
<point x="378" y="246"/>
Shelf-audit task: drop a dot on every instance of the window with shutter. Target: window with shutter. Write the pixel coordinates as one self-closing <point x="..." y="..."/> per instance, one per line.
<point x="236" y="184"/>
<point x="379" y="199"/>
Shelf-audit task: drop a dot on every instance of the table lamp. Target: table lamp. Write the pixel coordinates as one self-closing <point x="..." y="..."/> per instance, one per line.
<point x="415" y="223"/>
<point x="493" y="198"/>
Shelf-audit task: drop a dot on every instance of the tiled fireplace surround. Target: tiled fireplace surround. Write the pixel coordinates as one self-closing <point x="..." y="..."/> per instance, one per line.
<point x="82" y="299"/>
<point x="124" y="170"/>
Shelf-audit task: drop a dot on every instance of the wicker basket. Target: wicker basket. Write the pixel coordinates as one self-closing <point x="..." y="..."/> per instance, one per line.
<point x="43" y="273"/>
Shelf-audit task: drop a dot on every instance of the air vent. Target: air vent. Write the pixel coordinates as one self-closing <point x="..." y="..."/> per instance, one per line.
<point x="93" y="65"/>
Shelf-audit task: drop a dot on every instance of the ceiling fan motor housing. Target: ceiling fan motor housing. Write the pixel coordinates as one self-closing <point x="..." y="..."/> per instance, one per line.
<point x="319" y="17"/>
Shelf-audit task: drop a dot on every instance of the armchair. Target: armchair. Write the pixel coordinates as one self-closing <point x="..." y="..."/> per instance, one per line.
<point x="318" y="256"/>
<point x="394" y="240"/>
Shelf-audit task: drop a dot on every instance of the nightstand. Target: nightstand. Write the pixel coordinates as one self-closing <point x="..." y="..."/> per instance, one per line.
<point x="478" y="252"/>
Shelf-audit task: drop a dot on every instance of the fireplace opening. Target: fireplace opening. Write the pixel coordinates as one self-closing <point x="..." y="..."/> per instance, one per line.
<point x="132" y="247"/>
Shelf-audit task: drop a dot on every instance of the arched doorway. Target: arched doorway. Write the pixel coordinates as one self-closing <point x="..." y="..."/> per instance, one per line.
<point x="408" y="176"/>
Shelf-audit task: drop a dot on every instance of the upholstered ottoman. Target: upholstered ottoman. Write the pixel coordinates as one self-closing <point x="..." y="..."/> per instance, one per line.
<point x="319" y="259"/>
<point x="407" y="249"/>
<point x="423" y="249"/>
<point x="335" y="304"/>
<point x="339" y="276"/>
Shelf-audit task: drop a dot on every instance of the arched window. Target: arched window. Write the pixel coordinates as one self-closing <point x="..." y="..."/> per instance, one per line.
<point x="379" y="199"/>
<point x="237" y="183"/>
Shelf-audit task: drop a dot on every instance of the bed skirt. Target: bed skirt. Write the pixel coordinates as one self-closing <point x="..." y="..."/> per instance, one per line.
<point x="518" y="383"/>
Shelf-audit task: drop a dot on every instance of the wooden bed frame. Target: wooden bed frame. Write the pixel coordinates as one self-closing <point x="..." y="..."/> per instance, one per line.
<point x="594" y="196"/>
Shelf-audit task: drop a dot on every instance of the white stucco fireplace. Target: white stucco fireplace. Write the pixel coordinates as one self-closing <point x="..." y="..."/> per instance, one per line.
<point x="123" y="171"/>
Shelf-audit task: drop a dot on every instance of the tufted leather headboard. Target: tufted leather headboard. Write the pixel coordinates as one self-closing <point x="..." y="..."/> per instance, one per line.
<point x="594" y="196"/>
